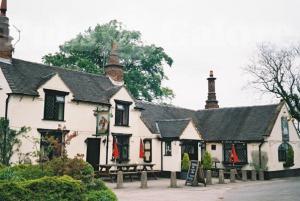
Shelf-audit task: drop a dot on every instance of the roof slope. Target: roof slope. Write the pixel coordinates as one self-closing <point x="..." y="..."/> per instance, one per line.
<point x="26" y="77"/>
<point x="238" y="123"/>
<point x="172" y="128"/>
<point x="152" y="113"/>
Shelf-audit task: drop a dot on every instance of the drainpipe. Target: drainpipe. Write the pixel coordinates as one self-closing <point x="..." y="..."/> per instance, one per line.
<point x="107" y="136"/>
<point x="5" y="129"/>
<point x="259" y="150"/>
<point x="161" y="155"/>
<point x="6" y="106"/>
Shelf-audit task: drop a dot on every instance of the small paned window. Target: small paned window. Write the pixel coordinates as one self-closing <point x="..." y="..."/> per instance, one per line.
<point x="282" y="151"/>
<point x="213" y="147"/>
<point x="168" y="148"/>
<point x="148" y="150"/>
<point x="54" y="108"/>
<point x="122" y="114"/>
<point x="241" y="151"/>
<point x="285" y="129"/>
<point x="51" y="145"/>
<point x="123" y="147"/>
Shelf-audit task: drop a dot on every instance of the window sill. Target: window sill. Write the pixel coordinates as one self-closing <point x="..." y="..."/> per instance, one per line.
<point x="121" y="125"/>
<point x="113" y="160"/>
<point x="53" y="120"/>
<point x="167" y="155"/>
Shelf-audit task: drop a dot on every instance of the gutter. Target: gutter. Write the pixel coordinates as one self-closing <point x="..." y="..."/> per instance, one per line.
<point x="107" y="136"/>
<point x="5" y="129"/>
<point x="6" y="106"/>
<point x="259" y="152"/>
<point x="161" y="155"/>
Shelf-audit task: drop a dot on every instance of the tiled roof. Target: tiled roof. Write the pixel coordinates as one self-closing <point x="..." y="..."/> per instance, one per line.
<point x="238" y="123"/>
<point x="26" y="77"/>
<point x="172" y="128"/>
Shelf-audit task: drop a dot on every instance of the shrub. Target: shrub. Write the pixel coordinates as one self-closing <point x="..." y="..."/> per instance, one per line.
<point x="207" y="161"/>
<point x="76" y="168"/>
<point x="289" y="157"/>
<point x="55" y="188"/>
<point x="7" y="174"/>
<point x="13" y="191"/>
<point x="103" y="195"/>
<point x="185" y="163"/>
<point x="2" y="166"/>
<point x="43" y="189"/>
<point x="96" y="185"/>
<point x="23" y="172"/>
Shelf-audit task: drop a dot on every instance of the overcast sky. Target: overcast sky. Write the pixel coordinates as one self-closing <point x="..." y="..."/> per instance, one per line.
<point x="200" y="35"/>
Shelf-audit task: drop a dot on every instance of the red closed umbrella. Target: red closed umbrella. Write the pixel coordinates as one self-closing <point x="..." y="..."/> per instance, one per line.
<point x="142" y="153"/>
<point x="115" y="149"/>
<point x="233" y="156"/>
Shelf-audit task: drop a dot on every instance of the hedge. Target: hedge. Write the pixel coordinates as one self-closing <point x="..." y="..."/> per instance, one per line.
<point x="23" y="172"/>
<point x="44" y="189"/>
<point x="76" y="168"/>
<point x="103" y="195"/>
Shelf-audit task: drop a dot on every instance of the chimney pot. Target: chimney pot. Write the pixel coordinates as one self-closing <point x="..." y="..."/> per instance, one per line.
<point x="211" y="98"/>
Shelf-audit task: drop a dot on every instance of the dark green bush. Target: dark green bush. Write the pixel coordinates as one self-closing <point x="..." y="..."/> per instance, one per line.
<point x="44" y="189"/>
<point x="76" y="168"/>
<point x="103" y="195"/>
<point x="185" y="163"/>
<point x="55" y="188"/>
<point x="23" y="172"/>
<point x="96" y="185"/>
<point x="289" y="158"/>
<point x="2" y="166"/>
<point x="13" y="191"/>
<point x="207" y="161"/>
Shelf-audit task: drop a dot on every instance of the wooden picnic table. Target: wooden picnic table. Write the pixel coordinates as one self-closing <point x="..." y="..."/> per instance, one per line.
<point x="127" y="169"/>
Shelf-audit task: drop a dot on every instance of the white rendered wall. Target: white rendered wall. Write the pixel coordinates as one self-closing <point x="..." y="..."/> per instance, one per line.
<point x="275" y="139"/>
<point x="28" y="111"/>
<point x="216" y="154"/>
<point x="138" y="130"/>
<point x="173" y="162"/>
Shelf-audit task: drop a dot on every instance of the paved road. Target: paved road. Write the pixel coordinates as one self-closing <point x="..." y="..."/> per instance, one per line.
<point x="275" y="190"/>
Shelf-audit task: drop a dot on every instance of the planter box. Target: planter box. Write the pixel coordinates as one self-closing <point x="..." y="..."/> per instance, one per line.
<point x="183" y="175"/>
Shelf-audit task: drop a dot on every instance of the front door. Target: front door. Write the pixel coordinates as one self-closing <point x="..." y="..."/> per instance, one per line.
<point x="191" y="148"/>
<point x="93" y="152"/>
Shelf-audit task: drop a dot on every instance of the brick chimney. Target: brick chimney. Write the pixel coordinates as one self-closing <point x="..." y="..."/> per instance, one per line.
<point x="6" y="48"/>
<point x="114" y="70"/>
<point x="211" y="98"/>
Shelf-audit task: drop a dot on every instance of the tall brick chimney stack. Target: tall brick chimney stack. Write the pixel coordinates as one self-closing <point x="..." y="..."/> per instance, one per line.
<point x="211" y="98"/>
<point x="114" y="70"/>
<point x="6" y="48"/>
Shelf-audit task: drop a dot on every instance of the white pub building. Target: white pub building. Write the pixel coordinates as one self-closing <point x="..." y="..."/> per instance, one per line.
<point x="60" y="102"/>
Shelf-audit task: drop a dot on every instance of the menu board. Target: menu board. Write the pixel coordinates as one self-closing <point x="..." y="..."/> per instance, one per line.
<point x="195" y="174"/>
<point x="192" y="173"/>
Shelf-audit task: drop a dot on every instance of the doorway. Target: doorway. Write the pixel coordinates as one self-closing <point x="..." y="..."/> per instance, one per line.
<point x="93" y="152"/>
<point x="191" y="148"/>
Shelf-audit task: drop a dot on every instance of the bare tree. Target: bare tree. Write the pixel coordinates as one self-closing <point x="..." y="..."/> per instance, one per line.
<point x="277" y="71"/>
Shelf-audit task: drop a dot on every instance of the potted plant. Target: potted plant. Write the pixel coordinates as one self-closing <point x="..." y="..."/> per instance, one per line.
<point x="289" y="158"/>
<point x="207" y="161"/>
<point x="185" y="163"/>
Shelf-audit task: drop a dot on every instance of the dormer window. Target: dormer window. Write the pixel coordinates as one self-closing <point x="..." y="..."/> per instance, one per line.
<point x="122" y="113"/>
<point x="54" y="108"/>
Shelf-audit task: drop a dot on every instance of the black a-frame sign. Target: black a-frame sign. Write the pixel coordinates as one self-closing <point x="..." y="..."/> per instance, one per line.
<point x="195" y="174"/>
